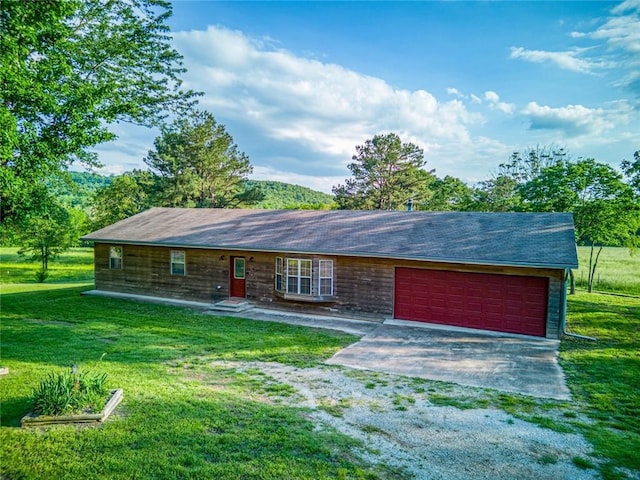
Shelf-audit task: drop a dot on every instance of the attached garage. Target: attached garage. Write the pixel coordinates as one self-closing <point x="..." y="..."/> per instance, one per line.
<point x="505" y="303"/>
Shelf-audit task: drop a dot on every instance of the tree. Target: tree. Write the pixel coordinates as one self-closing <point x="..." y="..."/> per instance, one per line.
<point x="631" y="170"/>
<point x="68" y="70"/>
<point x="47" y="235"/>
<point x="449" y="194"/>
<point x="125" y="196"/>
<point x="386" y="173"/>
<point x="605" y="209"/>
<point x="198" y="165"/>
<point x="526" y="165"/>
<point x="501" y="192"/>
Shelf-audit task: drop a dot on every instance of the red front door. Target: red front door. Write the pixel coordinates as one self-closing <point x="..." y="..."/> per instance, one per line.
<point x="237" y="277"/>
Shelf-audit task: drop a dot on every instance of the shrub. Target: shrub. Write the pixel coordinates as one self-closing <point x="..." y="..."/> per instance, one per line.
<point x="70" y="392"/>
<point x="41" y="275"/>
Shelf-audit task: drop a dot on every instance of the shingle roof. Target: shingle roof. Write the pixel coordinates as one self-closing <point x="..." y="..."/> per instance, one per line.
<point x="520" y="239"/>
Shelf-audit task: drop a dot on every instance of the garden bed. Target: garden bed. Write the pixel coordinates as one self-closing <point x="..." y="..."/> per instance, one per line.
<point x="33" y="420"/>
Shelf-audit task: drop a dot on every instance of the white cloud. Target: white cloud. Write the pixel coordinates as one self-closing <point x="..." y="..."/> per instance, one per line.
<point x="494" y="102"/>
<point x="615" y="48"/>
<point x="491" y="97"/>
<point x="576" y="120"/>
<point x="316" y="109"/>
<point x="567" y="60"/>
<point x="127" y="151"/>
<point x="623" y="30"/>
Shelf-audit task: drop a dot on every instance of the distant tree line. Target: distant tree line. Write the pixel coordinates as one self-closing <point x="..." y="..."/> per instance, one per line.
<point x="69" y="70"/>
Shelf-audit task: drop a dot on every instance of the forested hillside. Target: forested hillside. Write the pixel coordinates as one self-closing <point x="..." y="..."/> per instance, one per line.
<point x="277" y="194"/>
<point x="84" y="185"/>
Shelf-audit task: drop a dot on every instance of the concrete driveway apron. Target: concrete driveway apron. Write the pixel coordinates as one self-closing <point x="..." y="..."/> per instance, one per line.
<point x="509" y="363"/>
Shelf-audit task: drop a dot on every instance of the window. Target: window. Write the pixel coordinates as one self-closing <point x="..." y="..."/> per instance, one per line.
<point x="115" y="258"/>
<point x="295" y="277"/>
<point x="238" y="268"/>
<point x="299" y="276"/>
<point x="278" y="274"/>
<point x="178" y="262"/>
<point x="325" y="277"/>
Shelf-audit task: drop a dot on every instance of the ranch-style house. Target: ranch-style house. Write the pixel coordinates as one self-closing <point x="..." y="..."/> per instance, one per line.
<point x="504" y="272"/>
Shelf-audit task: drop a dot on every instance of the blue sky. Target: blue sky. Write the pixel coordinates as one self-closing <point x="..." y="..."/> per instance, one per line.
<point x="299" y="84"/>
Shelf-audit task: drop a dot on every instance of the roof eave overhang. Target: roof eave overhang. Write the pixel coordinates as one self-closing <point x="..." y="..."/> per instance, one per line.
<point x="238" y="248"/>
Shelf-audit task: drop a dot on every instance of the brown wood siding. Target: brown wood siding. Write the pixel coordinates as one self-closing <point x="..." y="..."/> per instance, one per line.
<point x="363" y="287"/>
<point x="146" y="271"/>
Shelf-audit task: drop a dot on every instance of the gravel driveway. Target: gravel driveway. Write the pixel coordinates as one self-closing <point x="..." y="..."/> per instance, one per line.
<point x="401" y="428"/>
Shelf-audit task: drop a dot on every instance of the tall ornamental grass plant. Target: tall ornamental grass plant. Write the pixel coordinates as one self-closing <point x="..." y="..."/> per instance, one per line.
<point x="70" y="392"/>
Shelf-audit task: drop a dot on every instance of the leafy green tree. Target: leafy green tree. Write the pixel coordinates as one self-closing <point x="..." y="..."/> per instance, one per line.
<point x="198" y="165"/>
<point x="68" y="70"/>
<point x="47" y="235"/>
<point x="501" y="192"/>
<point x="386" y="173"/>
<point x="605" y="209"/>
<point x="125" y="196"/>
<point x="631" y="170"/>
<point x="448" y="194"/>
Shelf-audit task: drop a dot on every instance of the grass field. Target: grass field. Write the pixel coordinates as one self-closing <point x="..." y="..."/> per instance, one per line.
<point x="618" y="270"/>
<point x="176" y="426"/>
<point x="75" y="265"/>
<point x="168" y="426"/>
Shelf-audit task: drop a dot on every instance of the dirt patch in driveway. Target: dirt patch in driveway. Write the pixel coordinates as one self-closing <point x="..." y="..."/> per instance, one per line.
<point x="400" y="427"/>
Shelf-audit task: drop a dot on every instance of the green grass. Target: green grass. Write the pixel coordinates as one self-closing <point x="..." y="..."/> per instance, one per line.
<point x="186" y="415"/>
<point x="618" y="270"/>
<point x="182" y="416"/>
<point x="75" y="265"/>
<point x="604" y="376"/>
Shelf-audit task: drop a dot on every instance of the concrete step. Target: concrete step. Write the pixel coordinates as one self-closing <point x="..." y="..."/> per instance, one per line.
<point x="232" y="305"/>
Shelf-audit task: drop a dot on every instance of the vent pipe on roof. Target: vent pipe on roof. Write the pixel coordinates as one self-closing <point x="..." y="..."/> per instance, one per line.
<point x="410" y="205"/>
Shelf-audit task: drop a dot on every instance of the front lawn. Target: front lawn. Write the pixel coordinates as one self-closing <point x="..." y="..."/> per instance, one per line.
<point x="169" y="425"/>
<point x="176" y="422"/>
<point x="604" y="376"/>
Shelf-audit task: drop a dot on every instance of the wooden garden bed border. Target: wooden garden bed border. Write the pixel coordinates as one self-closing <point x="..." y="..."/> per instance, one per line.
<point x="32" y="420"/>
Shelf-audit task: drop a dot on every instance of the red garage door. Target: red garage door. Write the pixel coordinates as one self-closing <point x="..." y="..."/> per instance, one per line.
<point x="504" y="303"/>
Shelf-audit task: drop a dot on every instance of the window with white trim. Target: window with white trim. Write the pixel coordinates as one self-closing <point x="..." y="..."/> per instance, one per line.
<point x="178" y="262"/>
<point x="325" y="278"/>
<point x="115" y="258"/>
<point x="299" y="276"/>
<point x="279" y="275"/>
